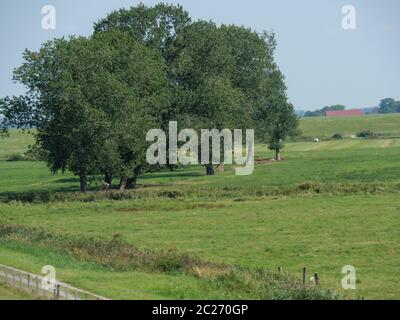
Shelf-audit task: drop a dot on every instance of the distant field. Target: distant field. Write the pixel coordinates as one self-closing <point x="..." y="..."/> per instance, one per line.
<point x="386" y="124"/>
<point x="17" y="143"/>
<point x="344" y="161"/>
<point x="326" y="205"/>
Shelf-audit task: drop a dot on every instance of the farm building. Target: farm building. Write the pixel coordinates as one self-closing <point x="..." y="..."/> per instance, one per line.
<point x="344" y="113"/>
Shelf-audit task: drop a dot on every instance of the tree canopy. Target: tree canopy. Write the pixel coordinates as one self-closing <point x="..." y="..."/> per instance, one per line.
<point x="93" y="99"/>
<point x="389" y="105"/>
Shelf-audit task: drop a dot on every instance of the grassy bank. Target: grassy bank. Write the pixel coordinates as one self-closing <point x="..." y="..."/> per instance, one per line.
<point x="9" y="293"/>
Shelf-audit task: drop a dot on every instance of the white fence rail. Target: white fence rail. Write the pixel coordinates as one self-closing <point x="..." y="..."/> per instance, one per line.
<point x="42" y="287"/>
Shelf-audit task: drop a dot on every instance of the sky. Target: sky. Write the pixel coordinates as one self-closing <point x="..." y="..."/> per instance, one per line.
<point x="323" y="63"/>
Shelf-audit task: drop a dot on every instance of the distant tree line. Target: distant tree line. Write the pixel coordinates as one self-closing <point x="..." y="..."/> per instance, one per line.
<point x="92" y="99"/>
<point x="389" y="105"/>
<point x="321" y="112"/>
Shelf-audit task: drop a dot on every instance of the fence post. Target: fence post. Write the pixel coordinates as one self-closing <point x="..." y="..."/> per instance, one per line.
<point x="51" y="288"/>
<point x="304" y="275"/>
<point x="13" y="279"/>
<point x="37" y="284"/>
<point x="66" y="293"/>
<point x="316" y="279"/>
<point x="58" y="291"/>
<point x="280" y="270"/>
<point x="20" y="280"/>
<point x="29" y="280"/>
<point x="75" y="295"/>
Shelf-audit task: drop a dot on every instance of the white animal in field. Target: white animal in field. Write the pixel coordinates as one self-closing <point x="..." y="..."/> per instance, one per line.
<point x="316" y="140"/>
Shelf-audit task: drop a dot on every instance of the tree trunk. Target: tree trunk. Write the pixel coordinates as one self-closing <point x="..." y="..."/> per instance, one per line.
<point x="131" y="182"/>
<point x="210" y="170"/>
<point x="278" y="155"/>
<point x="82" y="182"/>
<point x="108" y="178"/>
<point x="221" y="167"/>
<point x="122" y="184"/>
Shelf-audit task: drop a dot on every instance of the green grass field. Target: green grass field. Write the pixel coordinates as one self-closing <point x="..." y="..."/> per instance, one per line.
<point x="327" y="205"/>
<point x="16" y="143"/>
<point x="323" y="127"/>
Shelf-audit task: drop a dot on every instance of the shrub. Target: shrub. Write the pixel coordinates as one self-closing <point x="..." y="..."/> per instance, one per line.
<point x="114" y="254"/>
<point x="337" y="136"/>
<point x="367" y="134"/>
<point x="28" y="156"/>
<point x="16" y="157"/>
<point x="268" y="285"/>
<point x="172" y="194"/>
<point x="31" y="155"/>
<point x="28" y="196"/>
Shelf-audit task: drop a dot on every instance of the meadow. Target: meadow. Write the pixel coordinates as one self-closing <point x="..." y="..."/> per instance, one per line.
<point x="326" y="205"/>
<point x="324" y="127"/>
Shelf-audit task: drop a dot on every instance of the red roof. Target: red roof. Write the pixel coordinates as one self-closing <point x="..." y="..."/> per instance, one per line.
<point x="344" y="113"/>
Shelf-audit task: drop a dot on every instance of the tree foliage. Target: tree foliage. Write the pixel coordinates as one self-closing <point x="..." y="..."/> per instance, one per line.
<point x="156" y="27"/>
<point x="227" y="78"/>
<point x="93" y="99"/>
<point x="389" y="105"/>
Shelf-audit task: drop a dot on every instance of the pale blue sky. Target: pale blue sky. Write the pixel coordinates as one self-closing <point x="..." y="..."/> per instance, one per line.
<point x="323" y="63"/>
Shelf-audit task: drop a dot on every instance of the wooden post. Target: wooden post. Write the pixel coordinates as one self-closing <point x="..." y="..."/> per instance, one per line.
<point x="304" y="275"/>
<point x="66" y="293"/>
<point x="280" y="270"/>
<point x="75" y="295"/>
<point x="13" y="279"/>
<point x="29" y="281"/>
<point x="37" y="284"/>
<point x="316" y="279"/>
<point x="58" y="291"/>
<point x="20" y="280"/>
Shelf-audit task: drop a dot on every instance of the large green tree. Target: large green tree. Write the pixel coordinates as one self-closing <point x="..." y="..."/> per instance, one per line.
<point x="156" y="28"/>
<point x="143" y="67"/>
<point x="219" y="76"/>
<point x="92" y="100"/>
<point x="223" y="74"/>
